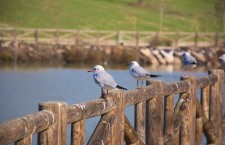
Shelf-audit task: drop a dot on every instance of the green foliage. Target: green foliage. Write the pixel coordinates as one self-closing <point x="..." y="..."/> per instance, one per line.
<point x="179" y="15"/>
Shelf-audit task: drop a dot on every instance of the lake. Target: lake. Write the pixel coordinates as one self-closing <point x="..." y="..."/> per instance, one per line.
<point x="22" y="88"/>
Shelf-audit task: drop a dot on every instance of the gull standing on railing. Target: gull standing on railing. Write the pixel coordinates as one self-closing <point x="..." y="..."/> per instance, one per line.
<point x="104" y="79"/>
<point x="222" y="57"/>
<point x="139" y="73"/>
<point x="189" y="62"/>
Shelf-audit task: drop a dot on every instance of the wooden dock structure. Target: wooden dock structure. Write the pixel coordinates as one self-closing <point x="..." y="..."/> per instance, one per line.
<point x="157" y="121"/>
<point x="112" y="38"/>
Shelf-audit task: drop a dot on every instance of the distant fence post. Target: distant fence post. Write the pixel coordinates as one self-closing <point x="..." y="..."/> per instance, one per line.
<point x="15" y="40"/>
<point x="57" y="36"/>
<point x="196" y="39"/>
<point x="77" y="37"/>
<point x="216" y="105"/>
<point x="36" y="36"/>
<point x="137" y="39"/>
<point x="216" y="39"/>
<point x="56" y="134"/>
<point x="117" y="38"/>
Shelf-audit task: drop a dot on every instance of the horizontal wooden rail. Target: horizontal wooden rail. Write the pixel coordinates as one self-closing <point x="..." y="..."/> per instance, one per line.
<point x="22" y="127"/>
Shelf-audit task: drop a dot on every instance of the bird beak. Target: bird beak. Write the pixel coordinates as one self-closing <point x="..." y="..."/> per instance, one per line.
<point x="91" y="70"/>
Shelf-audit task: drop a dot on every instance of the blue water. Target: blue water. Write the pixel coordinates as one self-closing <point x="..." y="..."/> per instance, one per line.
<point x="23" y="88"/>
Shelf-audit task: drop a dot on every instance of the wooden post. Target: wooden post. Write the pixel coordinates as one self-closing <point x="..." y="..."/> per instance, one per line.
<point x="216" y="39"/>
<point x="140" y="120"/>
<point x="198" y="132"/>
<point x="176" y="39"/>
<point x="77" y="132"/>
<point x="137" y="39"/>
<point x="216" y="105"/>
<point x="25" y="141"/>
<point x="117" y="38"/>
<point x="169" y="118"/>
<point x="77" y="37"/>
<point x="36" y="37"/>
<point x="56" y="135"/>
<point x="118" y="129"/>
<point x="196" y="39"/>
<point x="154" y="117"/>
<point x="97" y="38"/>
<point x="103" y="131"/>
<point x="15" y="46"/>
<point x="187" y="136"/>
<point x="56" y="36"/>
<point x="131" y="136"/>
<point x="205" y="101"/>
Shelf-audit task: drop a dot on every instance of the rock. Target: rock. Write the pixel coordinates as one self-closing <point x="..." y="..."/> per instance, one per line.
<point x="148" y="54"/>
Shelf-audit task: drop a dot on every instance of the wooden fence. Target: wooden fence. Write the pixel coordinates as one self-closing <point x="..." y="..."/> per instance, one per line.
<point x="102" y="38"/>
<point x="157" y="121"/>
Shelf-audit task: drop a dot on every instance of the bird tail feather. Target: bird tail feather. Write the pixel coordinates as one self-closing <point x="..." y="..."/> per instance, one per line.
<point x="155" y="76"/>
<point x="119" y="87"/>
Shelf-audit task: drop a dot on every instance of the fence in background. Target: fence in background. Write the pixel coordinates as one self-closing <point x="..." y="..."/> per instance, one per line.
<point x="157" y="121"/>
<point x="102" y="38"/>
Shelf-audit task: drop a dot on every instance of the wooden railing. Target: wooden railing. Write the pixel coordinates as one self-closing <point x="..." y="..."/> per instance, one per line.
<point x="100" y="38"/>
<point x="157" y="121"/>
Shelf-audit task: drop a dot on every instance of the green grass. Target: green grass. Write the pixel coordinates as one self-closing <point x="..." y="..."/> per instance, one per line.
<point x="179" y="15"/>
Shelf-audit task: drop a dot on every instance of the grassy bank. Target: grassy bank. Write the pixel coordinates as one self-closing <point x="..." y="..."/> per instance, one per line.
<point x="179" y="15"/>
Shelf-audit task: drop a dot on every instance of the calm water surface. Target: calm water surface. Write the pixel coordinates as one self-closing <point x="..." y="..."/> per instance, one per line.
<point x="23" y="88"/>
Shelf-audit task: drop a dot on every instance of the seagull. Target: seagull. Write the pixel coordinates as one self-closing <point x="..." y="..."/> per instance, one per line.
<point x="104" y="79"/>
<point x="222" y="57"/>
<point x="139" y="73"/>
<point x="189" y="62"/>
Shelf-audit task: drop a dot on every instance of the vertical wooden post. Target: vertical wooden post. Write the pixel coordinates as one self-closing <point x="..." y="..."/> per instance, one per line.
<point x="118" y="130"/>
<point x="36" y="37"/>
<point x="196" y="39"/>
<point x="176" y="39"/>
<point x="56" y="135"/>
<point x="169" y="118"/>
<point x="117" y="38"/>
<point x="216" y="39"/>
<point x="205" y="101"/>
<point x="25" y="141"/>
<point x="137" y="39"/>
<point x="97" y="38"/>
<point x="187" y="136"/>
<point x="77" y="133"/>
<point x="139" y="121"/>
<point x="216" y="105"/>
<point x="77" y="37"/>
<point x="199" y="131"/>
<point x="56" y="36"/>
<point x="154" y="117"/>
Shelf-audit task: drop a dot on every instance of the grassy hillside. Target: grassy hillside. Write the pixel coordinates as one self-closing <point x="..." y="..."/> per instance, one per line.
<point x="179" y="15"/>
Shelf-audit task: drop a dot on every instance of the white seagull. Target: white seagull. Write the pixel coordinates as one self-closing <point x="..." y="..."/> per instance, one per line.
<point x="139" y="73"/>
<point x="104" y="79"/>
<point x="222" y="57"/>
<point x="189" y="62"/>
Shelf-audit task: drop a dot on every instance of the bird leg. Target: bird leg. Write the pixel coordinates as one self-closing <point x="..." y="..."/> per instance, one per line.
<point x="185" y="70"/>
<point x="103" y="95"/>
<point x="137" y="85"/>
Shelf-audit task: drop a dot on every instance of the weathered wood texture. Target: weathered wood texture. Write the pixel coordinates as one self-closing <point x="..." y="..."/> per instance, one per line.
<point x="86" y="110"/>
<point x="154" y="116"/>
<point x="78" y="132"/>
<point x="216" y="105"/>
<point x="140" y="119"/>
<point x="131" y="136"/>
<point x="168" y="119"/>
<point x="56" y="135"/>
<point x="187" y="136"/>
<point x="198" y="132"/>
<point x="19" y="128"/>
<point x="103" y="131"/>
